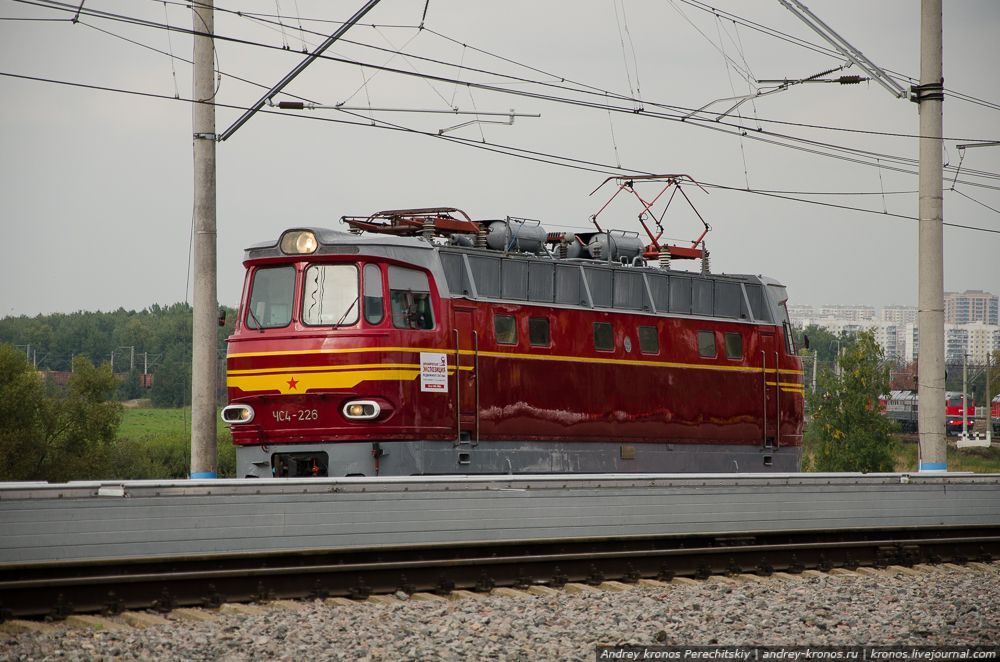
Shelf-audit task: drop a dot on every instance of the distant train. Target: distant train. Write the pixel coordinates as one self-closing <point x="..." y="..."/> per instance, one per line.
<point x="902" y="407"/>
<point x="424" y="342"/>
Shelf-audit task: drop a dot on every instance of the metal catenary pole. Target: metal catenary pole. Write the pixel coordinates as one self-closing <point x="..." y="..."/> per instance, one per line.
<point x="930" y="316"/>
<point x="203" y="362"/>
<point x="965" y="393"/>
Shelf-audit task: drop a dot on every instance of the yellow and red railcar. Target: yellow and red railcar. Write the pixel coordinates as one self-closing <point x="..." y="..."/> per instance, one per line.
<point x="422" y="342"/>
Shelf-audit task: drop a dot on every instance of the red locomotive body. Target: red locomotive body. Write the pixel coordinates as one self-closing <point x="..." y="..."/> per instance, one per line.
<point x="371" y="354"/>
<point x="953" y="413"/>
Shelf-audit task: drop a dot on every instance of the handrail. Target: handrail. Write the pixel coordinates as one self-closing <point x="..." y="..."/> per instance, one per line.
<point x="763" y="372"/>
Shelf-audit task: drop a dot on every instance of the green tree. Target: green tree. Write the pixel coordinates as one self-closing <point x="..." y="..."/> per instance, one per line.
<point x="847" y="431"/>
<point x="61" y="437"/>
<point x="823" y="342"/>
<point x="172" y="381"/>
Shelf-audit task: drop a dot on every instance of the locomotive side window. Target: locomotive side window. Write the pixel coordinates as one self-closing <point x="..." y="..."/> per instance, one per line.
<point x="486" y="273"/>
<point x="541" y="281"/>
<point x="514" y="279"/>
<point x="734" y="345"/>
<point x="374" y="301"/>
<point x="629" y="290"/>
<point x="330" y="295"/>
<point x="455" y="273"/>
<point x="659" y="286"/>
<point x="568" y="289"/>
<point x="706" y="344"/>
<point x="604" y="337"/>
<point x="505" y="329"/>
<point x="680" y="295"/>
<point x="271" y="298"/>
<point x="649" y="340"/>
<point x="538" y="331"/>
<point x="727" y="299"/>
<point x="779" y="293"/>
<point x="599" y="282"/>
<point x="755" y="293"/>
<point x="410" y="299"/>
<point x="703" y="297"/>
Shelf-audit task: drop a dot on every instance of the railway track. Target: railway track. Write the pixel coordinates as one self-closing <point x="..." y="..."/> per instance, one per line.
<point x="56" y="590"/>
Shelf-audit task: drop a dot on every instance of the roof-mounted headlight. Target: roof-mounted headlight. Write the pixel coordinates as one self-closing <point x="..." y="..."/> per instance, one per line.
<point x="299" y="242"/>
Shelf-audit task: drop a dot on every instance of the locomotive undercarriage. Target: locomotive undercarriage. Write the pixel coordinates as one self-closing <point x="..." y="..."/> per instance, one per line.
<point x="410" y="458"/>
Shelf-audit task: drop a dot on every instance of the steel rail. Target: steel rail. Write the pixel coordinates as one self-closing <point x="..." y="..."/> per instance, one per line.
<point x="56" y="590"/>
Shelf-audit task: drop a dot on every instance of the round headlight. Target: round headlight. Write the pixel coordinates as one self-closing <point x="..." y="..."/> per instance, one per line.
<point x="299" y="242"/>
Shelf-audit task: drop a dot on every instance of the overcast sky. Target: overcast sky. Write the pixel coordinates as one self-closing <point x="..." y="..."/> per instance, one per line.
<point x="95" y="188"/>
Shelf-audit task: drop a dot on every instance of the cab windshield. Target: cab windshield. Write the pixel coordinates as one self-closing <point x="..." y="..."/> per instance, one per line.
<point x="271" y="298"/>
<point x="330" y="295"/>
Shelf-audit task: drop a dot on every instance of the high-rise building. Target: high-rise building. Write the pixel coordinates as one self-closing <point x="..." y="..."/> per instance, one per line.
<point x="977" y="340"/>
<point x="898" y="315"/>
<point x="848" y="313"/>
<point x="971" y="306"/>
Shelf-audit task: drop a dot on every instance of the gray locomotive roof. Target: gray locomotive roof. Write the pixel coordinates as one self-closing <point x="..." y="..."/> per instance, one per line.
<point x="423" y="253"/>
<point x="328" y="238"/>
<point x="382" y="244"/>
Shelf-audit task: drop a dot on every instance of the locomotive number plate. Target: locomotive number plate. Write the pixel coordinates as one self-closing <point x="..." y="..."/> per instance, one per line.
<point x="288" y="416"/>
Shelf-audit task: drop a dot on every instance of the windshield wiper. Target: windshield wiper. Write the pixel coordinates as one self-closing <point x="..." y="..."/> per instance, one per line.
<point x="260" y="327"/>
<point x="346" y="312"/>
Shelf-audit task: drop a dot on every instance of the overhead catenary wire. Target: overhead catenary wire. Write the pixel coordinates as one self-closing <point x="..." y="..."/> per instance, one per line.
<point x="817" y="48"/>
<point x="609" y="109"/>
<point x="758" y="27"/>
<point x="494" y="87"/>
<point x="531" y="155"/>
<point x="776" y="138"/>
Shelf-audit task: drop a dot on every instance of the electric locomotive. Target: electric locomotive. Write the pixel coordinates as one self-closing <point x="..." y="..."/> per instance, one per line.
<point x="903" y="406"/>
<point x="423" y="342"/>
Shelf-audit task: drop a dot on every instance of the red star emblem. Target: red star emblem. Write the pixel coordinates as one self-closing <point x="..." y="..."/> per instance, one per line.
<point x="292" y="383"/>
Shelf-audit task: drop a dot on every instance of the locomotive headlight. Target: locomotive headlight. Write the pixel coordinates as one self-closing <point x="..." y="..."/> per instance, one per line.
<point x="299" y="242"/>
<point x="362" y="410"/>
<point x="234" y="414"/>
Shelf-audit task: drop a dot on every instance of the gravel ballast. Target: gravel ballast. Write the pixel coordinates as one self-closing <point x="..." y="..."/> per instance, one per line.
<point x="941" y="606"/>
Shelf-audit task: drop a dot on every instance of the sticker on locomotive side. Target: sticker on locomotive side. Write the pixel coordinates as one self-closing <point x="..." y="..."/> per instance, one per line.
<point x="433" y="372"/>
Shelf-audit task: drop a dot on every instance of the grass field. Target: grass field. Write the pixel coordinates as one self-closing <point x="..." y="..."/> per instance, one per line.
<point x="140" y="423"/>
<point x="156" y="443"/>
<point x="978" y="460"/>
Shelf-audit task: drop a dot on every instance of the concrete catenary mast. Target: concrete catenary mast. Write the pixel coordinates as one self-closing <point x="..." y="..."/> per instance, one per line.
<point x="929" y="94"/>
<point x="204" y="359"/>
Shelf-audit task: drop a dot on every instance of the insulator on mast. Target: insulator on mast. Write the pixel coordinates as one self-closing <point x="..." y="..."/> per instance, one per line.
<point x="706" y="267"/>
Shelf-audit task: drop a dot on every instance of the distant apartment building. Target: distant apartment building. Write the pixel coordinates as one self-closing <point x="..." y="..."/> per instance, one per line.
<point x="898" y="315"/>
<point x="977" y="340"/>
<point x="798" y="311"/>
<point x="971" y="306"/>
<point x="848" y="313"/>
<point x="895" y="329"/>
<point x="888" y="336"/>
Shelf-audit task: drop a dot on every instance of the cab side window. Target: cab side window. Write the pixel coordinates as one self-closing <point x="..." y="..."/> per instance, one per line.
<point x="410" y="299"/>
<point x="374" y="300"/>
